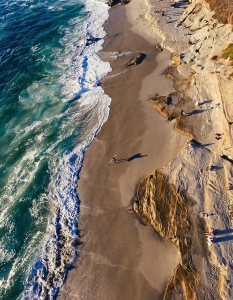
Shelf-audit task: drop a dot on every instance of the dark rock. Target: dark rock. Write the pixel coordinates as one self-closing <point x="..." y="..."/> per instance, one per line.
<point x="112" y="2"/>
<point x="158" y="47"/>
<point x="169" y="100"/>
<point x="136" y="60"/>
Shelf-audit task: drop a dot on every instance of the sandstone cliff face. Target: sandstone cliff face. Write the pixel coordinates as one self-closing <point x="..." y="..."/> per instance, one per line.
<point x="203" y="81"/>
<point x="212" y="79"/>
<point x="158" y="204"/>
<point x="197" y="46"/>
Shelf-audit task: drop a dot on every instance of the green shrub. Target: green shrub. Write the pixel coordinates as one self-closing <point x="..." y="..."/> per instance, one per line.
<point x="228" y="52"/>
<point x="223" y="10"/>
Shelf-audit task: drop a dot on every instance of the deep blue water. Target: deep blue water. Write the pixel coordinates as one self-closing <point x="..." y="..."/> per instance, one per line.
<point x="50" y="109"/>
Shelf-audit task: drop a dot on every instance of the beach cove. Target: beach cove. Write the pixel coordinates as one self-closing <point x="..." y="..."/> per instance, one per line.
<point x="119" y="257"/>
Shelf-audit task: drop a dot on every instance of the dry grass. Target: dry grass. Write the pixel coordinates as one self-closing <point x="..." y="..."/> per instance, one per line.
<point x="223" y="10"/>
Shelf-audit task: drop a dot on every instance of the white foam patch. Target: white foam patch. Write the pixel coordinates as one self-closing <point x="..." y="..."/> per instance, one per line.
<point x="87" y="67"/>
<point x="20" y="262"/>
<point x="17" y="182"/>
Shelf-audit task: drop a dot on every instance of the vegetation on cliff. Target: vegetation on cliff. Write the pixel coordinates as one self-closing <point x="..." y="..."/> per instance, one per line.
<point x="228" y="53"/>
<point x="223" y="10"/>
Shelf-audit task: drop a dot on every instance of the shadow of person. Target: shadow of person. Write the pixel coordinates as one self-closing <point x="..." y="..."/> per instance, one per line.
<point x="223" y="231"/>
<point x="205" y="102"/>
<point x="206" y="145"/>
<point x="223" y="238"/>
<point x="198" y="144"/>
<point x="128" y="159"/>
<point x="135" y="156"/>
<point x="196" y="111"/>
<point x="216" y="168"/>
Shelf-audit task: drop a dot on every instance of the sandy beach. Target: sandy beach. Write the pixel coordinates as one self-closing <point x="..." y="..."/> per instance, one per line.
<point x="163" y="174"/>
<point x="120" y="258"/>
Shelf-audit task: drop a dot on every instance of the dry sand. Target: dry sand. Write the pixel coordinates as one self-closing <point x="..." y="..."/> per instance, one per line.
<point x="119" y="257"/>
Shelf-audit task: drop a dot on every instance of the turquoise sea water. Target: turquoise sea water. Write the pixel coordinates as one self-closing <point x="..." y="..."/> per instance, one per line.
<point x="51" y="107"/>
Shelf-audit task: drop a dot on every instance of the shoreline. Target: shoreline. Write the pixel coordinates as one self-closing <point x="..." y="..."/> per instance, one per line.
<point x="106" y="222"/>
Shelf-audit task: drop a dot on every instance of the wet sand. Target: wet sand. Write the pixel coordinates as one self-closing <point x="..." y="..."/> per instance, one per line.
<point x="119" y="257"/>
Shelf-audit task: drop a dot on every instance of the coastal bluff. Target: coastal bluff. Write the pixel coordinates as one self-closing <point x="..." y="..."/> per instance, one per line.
<point x="199" y="36"/>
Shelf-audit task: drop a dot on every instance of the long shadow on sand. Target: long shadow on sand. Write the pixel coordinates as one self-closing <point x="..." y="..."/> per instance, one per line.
<point x="227" y="235"/>
<point x="223" y="239"/>
<point x="128" y="159"/>
<point x="224" y="231"/>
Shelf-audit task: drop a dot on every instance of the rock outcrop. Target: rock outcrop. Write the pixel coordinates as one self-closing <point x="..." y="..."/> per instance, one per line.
<point x="202" y="72"/>
<point x="167" y="209"/>
<point x="159" y="204"/>
<point x="138" y="59"/>
<point x="113" y="2"/>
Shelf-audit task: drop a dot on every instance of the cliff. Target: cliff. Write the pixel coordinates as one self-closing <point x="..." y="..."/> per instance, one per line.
<point x="171" y="199"/>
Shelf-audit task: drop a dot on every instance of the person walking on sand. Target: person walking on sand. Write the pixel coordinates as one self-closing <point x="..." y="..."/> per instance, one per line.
<point x="204" y="215"/>
<point x="114" y="159"/>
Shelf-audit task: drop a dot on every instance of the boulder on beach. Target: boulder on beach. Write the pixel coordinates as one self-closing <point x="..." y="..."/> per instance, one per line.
<point x="124" y="1"/>
<point x="136" y="60"/>
<point x="113" y="2"/>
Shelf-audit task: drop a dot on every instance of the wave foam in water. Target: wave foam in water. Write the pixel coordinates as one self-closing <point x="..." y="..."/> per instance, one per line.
<point x="62" y="233"/>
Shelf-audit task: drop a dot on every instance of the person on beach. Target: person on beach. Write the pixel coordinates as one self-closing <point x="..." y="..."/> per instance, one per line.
<point x="168" y="19"/>
<point x="182" y="113"/>
<point x="228" y="187"/>
<point x="114" y="159"/>
<point x="219" y="135"/>
<point x="204" y="215"/>
<point x="188" y="147"/>
<point x="209" y="234"/>
<point x="210" y="240"/>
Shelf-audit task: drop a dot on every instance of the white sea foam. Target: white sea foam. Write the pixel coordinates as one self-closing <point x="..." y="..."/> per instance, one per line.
<point x="17" y="181"/>
<point x="62" y="233"/>
<point x="86" y="64"/>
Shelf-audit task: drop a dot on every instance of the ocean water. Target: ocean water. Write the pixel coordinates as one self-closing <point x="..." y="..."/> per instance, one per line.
<point x="51" y="107"/>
